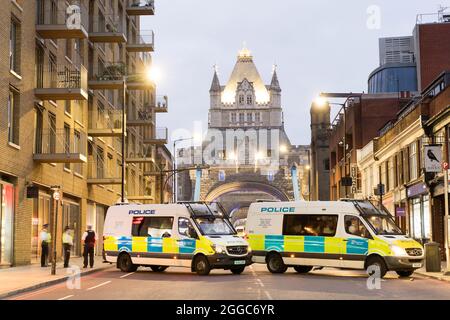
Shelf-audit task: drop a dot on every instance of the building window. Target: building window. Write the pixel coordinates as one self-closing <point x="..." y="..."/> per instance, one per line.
<point x="67" y="144"/>
<point x="13" y="116"/>
<point x="249" y="117"/>
<point x="249" y="99"/>
<point x="51" y="133"/>
<point x="258" y="117"/>
<point x="241" y="118"/>
<point x="383" y="174"/>
<point x="413" y="161"/>
<point x="391" y="174"/>
<point x="241" y="99"/>
<point x="77" y="167"/>
<point x="233" y="117"/>
<point x="14" y="47"/>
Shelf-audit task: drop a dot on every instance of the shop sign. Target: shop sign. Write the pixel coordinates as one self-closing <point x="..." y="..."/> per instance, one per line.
<point x="416" y="190"/>
<point x="400" y="212"/>
<point x="433" y="158"/>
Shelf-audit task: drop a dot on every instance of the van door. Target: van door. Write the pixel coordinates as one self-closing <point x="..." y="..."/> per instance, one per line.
<point x="186" y="238"/>
<point x="356" y="242"/>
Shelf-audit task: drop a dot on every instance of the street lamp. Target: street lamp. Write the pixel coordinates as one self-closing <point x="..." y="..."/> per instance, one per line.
<point x="175" y="165"/>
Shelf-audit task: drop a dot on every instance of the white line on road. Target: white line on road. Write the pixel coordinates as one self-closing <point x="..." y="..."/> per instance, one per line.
<point x="260" y="282"/>
<point x="268" y="295"/>
<point x="66" y="297"/>
<point x="99" y="285"/>
<point x="126" y="275"/>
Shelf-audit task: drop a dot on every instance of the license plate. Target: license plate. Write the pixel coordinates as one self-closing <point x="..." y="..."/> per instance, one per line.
<point x="239" y="262"/>
<point x="417" y="265"/>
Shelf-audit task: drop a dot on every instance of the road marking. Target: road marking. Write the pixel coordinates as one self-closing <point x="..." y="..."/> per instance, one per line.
<point x="66" y="297"/>
<point x="126" y="275"/>
<point x="268" y="295"/>
<point x="99" y="285"/>
<point x="260" y="282"/>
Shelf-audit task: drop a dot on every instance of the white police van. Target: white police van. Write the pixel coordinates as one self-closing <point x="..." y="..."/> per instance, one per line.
<point x="195" y="235"/>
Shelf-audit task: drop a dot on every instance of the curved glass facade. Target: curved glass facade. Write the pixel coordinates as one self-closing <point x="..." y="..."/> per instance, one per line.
<point x="393" y="78"/>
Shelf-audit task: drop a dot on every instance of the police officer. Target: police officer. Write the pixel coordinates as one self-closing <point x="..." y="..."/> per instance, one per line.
<point x="46" y="238"/>
<point x="89" y="237"/>
<point x="67" y="239"/>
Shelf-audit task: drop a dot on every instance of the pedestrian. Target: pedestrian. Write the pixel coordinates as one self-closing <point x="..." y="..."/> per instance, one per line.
<point x="67" y="239"/>
<point x="45" y="241"/>
<point x="89" y="237"/>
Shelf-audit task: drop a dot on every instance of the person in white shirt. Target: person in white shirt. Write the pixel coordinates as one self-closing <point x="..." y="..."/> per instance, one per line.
<point x="89" y="238"/>
<point x="46" y="238"/>
<point x="67" y="239"/>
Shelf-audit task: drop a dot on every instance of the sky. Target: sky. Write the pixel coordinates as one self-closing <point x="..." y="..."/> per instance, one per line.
<point x="317" y="45"/>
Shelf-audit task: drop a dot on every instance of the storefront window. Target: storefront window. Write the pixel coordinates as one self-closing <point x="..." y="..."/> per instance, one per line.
<point x="71" y="218"/>
<point x="426" y="217"/>
<point x="416" y="221"/>
<point x="6" y="223"/>
<point x="41" y="216"/>
<point x="420" y="217"/>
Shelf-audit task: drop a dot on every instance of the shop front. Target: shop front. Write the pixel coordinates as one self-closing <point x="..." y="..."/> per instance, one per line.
<point x="6" y="223"/>
<point x="419" y="212"/>
<point x="96" y="214"/>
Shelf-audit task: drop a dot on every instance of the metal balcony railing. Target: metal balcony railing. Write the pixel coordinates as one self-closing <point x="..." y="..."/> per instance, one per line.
<point x="61" y="145"/>
<point x="107" y="122"/>
<point x="143" y="41"/>
<point x="65" y="76"/>
<point x="107" y="28"/>
<point x="141" y="7"/>
<point x="59" y="19"/>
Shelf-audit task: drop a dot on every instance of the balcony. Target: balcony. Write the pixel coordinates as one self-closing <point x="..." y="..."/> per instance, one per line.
<point x="100" y="174"/>
<point x="161" y="104"/>
<point x="60" y="146"/>
<point x="160" y="137"/>
<point x="143" y="117"/>
<point x="108" y="76"/>
<point x="58" y="20"/>
<point x="109" y="30"/>
<point x="61" y="81"/>
<point x="141" y="8"/>
<point x="142" y="42"/>
<point x="140" y="81"/>
<point x="105" y="123"/>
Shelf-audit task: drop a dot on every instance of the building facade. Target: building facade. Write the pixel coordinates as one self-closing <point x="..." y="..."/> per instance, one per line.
<point x="246" y="148"/>
<point x="73" y="68"/>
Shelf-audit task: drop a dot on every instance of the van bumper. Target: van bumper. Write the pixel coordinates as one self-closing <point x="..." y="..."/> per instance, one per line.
<point x="403" y="263"/>
<point x="224" y="261"/>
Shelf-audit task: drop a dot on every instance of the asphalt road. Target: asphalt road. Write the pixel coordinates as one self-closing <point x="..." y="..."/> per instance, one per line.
<point x="254" y="284"/>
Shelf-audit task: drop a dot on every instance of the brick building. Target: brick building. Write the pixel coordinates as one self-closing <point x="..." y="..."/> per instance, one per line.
<point x="67" y="65"/>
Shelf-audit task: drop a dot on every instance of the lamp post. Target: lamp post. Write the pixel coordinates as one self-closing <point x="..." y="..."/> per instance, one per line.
<point x="175" y="166"/>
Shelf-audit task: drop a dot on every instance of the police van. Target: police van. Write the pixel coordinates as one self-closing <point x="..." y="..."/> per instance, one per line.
<point x="194" y="235"/>
<point x="344" y="234"/>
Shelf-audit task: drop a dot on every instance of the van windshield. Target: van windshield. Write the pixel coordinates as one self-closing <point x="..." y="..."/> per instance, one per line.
<point x="382" y="225"/>
<point x="217" y="226"/>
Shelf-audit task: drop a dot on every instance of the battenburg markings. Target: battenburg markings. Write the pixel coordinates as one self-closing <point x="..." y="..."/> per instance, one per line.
<point x="282" y="209"/>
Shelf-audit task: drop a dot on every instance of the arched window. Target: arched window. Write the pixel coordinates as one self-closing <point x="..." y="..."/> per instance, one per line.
<point x="249" y="99"/>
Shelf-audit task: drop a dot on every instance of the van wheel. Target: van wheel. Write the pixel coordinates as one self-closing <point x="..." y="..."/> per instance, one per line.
<point x="158" y="268"/>
<point x="404" y="274"/>
<point x="202" y="266"/>
<point x="302" y="269"/>
<point x="125" y="264"/>
<point x="376" y="262"/>
<point x="275" y="263"/>
<point x="237" y="270"/>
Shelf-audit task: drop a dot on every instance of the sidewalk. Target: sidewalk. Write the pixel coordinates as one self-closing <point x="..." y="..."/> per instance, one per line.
<point x="435" y="275"/>
<point x="25" y="278"/>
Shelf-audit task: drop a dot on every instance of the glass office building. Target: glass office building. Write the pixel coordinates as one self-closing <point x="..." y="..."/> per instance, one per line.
<point x="394" y="78"/>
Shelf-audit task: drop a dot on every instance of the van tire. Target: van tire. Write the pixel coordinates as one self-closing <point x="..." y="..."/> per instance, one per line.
<point x="158" y="268"/>
<point x="125" y="264"/>
<point x="376" y="261"/>
<point x="405" y="273"/>
<point x="237" y="270"/>
<point x="275" y="263"/>
<point x="201" y="265"/>
<point x="303" y="269"/>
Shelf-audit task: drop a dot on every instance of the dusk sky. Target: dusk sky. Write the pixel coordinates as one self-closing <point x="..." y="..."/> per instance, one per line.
<point x="317" y="45"/>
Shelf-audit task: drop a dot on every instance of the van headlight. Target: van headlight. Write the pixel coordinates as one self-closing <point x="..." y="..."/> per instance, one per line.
<point x="218" y="248"/>
<point x="398" y="251"/>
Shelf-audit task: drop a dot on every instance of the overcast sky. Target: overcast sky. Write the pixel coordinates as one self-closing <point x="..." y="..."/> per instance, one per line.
<point x="318" y="45"/>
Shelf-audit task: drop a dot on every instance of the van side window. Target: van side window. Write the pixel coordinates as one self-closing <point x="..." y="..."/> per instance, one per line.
<point x="157" y="227"/>
<point x="184" y="226"/>
<point x="310" y="225"/>
<point x="355" y="227"/>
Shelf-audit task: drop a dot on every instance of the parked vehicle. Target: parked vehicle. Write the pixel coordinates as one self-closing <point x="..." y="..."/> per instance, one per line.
<point x="344" y="234"/>
<point x="194" y="235"/>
